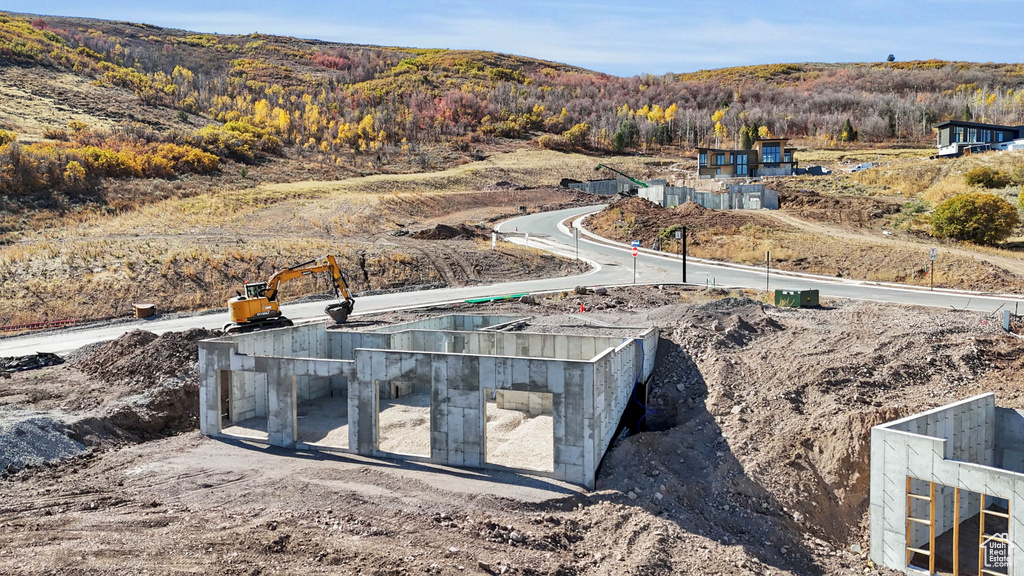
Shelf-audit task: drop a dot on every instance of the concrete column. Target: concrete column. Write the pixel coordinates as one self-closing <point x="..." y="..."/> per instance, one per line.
<point x="214" y="361"/>
<point x="281" y="420"/>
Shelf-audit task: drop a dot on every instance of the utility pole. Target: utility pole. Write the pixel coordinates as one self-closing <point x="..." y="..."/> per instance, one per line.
<point x="576" y="233"/>
<point x="767" y="268"/>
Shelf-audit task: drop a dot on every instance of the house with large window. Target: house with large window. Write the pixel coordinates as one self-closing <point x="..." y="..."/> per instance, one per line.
<point x="956" y="137"/>
<point x="768" y="157"/>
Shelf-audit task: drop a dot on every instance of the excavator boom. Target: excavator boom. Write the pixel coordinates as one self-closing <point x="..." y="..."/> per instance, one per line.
<point x="639" y="183"/>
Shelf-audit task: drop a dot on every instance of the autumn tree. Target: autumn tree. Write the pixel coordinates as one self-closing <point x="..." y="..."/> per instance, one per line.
<point x="975" y="217"/>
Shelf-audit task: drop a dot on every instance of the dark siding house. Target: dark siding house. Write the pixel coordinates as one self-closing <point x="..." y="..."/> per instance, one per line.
<point x="768" y="157"/>
<point x="956" y="137"/>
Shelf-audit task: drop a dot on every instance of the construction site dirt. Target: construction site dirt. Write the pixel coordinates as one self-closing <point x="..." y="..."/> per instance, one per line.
<point x="753" y="459"/>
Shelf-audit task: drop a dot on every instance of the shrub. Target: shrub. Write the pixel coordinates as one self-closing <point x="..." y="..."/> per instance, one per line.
<point x="6" y="137"/>
<point x="987" y="178"/>
<point x="55" y="134"/>
<point x="578" y="135"/>
<point x="975" y="217"/>
<point x="552" y="142"/>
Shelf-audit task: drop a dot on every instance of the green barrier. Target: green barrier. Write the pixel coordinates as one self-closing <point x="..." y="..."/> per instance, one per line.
<point x="495" y="298"/>
<point x="796" y="298"/>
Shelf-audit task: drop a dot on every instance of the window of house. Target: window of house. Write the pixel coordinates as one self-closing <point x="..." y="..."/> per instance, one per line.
<point x="958" y="134"/>
<point x="770" y="153"/>
<point x="1000" y="136"/>
<point x="986" y="135"/>
<point x="972" y="134"/>
<point x="719" y="159"/>
<point x="718" y="171"/>
<point x="741" y="164"/>
<point x="703" y="159"/>
<point x="788" y="157"/>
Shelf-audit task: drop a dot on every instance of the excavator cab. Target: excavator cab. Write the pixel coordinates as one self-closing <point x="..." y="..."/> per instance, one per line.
<point x="255" y="290"/>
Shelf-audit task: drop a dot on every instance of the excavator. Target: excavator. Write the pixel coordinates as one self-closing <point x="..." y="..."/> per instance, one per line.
<point x="258" y="308"/>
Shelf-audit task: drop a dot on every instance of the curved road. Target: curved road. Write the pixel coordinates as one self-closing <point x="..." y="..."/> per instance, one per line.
<point x="614" y="266"/>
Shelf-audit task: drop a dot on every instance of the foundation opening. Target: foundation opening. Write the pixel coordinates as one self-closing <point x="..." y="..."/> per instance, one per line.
<point x="322" y="412"/>
<point x="966" y="532"/>
<point x="244" y="403"/>
<point x="403" y="417"/>
<point x="519" y="429"/>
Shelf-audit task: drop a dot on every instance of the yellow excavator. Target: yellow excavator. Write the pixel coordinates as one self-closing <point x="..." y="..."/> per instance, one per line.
<point x="258" y="308"/>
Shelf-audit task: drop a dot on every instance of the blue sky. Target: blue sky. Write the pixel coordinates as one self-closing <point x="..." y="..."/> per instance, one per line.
<point x="623" y="38"/>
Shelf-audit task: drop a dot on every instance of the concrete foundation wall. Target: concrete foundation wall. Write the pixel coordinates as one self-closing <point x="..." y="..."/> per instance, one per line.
<point x="954" y="446"/>
<point x="457" y="322"/>
<point x="1009" y="441"/>
<point x="532" y="403"/>
<point x="584" y="382"/>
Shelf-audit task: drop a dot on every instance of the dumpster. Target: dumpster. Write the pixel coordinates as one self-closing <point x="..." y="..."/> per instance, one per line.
<point x="796" y="298"/>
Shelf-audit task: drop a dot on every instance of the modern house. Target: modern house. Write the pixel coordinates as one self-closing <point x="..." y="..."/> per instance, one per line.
<point x="956" y="137"/>
<point x="768" y="157"/>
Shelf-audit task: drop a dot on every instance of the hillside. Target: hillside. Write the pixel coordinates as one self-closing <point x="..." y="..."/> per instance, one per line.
<point x="91" y="100"/>
<point x="334" y="98"/>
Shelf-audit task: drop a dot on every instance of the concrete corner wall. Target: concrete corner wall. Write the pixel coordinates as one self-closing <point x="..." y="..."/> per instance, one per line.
<point x="953" y="446"/>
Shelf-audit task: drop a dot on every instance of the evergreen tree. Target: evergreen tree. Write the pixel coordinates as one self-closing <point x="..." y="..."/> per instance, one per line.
<point x="849" y="133"/>
<point x="967" y="113"/>
<point x="747" y="136"/>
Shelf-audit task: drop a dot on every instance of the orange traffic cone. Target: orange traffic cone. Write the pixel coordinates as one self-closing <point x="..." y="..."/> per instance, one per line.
<point x="582" y="309"/>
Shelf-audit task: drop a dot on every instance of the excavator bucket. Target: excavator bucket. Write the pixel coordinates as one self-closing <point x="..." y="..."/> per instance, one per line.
<point x="339" y="312"/>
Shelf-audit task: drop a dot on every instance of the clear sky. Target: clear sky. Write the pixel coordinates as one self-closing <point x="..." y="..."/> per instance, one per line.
<point x="613" y="36"/>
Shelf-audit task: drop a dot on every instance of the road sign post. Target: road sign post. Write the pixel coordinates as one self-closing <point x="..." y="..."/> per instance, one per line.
<point x="932" y="255"/>
<point x="767" y="268"/>
<point x="636" y="250"/>
<point x="576" y="233"/>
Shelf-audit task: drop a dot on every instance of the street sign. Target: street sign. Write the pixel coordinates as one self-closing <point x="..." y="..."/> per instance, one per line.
<point x="634" y="252"/>
<point x="933" y="254"/>
<point x="636" y="243"/>
<point x="679" y="234"/>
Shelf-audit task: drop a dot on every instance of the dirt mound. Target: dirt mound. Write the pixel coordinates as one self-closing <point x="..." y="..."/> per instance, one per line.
<point x="504" y="185"/>
<point x="115" y="351"/>
<point x="144" y="357"/>
<point x="636" y="218"/>
<point x="691" y="210"/>
<point x="457" y="232"/>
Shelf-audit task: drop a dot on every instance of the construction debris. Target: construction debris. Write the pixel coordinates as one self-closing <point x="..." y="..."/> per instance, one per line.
<point x="31" y="362"/>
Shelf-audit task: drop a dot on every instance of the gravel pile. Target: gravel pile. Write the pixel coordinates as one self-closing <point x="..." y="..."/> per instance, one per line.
<point x="29" y="440"/>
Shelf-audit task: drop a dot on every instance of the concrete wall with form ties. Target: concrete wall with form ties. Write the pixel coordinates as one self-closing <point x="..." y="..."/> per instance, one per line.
<point x="956" y="446"/>
<point x="589" y="379"/>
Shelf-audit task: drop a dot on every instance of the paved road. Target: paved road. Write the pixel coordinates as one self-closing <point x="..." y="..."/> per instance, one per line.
<point x="666" y="268"/>
<point x="614" y="267"/>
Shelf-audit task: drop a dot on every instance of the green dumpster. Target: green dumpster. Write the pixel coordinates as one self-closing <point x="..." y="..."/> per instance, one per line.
<point x="796" y="298"/>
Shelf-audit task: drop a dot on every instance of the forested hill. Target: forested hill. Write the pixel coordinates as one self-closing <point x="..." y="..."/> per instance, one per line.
<point x="276" y="92"/>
